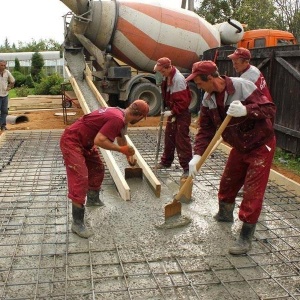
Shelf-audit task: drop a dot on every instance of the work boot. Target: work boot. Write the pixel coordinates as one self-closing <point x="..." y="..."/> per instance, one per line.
<point x="93" y="198"/>
<point x="244" y="242"/>
<point x="160" y="166"/>
<point x="78" y="225"/>
<point x="225" y="213"/>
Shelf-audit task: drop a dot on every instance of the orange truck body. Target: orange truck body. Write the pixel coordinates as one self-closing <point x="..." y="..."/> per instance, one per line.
<point x="266" y="38"/>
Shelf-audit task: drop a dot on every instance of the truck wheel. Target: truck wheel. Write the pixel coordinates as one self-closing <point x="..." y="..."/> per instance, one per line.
<point x="195" y="103"/>
<point x="148" y="92"/>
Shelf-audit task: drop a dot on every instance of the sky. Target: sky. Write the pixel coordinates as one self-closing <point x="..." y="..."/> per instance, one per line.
<point x="28" y="20"/>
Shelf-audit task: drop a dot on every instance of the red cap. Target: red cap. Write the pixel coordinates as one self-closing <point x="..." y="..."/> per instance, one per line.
<point x="163" y="62"/>
<point x="240" y="53"/>
<point x="204" y="67"/>
<point x="141" y="107"/>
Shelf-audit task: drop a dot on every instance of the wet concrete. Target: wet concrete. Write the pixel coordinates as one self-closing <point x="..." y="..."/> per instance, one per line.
<point x="128" y="257"/>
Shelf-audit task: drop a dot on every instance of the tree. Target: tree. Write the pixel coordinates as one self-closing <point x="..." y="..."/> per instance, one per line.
<point x="245" y="11"/>
<point x="37" y="64"/>
<point x="256" y="16"/>
<point x="288" y="15"/>
<point x="214" y="11"/>
<point x="17" y="65"/>
<point x="33" y="46"/>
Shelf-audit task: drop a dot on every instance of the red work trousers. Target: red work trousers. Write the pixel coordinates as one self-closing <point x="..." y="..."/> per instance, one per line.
<point x="85" y="170"/>
<point x="250" y="170"/>
<point x="177" y="137"/>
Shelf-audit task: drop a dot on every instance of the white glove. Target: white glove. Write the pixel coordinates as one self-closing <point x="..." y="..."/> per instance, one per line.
<point x="192" y="165"/>
<point x="167" y="113"/>
<point x="237" y="109"/>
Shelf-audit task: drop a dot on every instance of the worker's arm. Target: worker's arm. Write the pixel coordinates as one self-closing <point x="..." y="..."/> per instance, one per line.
<point x="121" y="141"/>
<point x="103" y="142"/>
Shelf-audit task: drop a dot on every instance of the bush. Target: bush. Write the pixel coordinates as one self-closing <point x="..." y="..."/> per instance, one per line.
<point x="37" y="64"/>
<point x="20" y="78"/>
<point x="29" y="81"/>
<point x="22" y="91"/>
<point x="50" y="85"/>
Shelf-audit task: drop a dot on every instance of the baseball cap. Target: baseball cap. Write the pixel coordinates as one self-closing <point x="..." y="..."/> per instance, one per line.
<point x="163" y="62"/>
<point x="141" y="107"/>
<point x="204" y="67"/>
<point x="240" y="53"/>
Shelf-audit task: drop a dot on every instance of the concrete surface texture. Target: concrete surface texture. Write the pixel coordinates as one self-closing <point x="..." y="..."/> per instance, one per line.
<point x="128" y="257"/>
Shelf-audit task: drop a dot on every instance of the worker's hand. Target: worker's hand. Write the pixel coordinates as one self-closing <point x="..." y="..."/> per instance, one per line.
<point x="127" y="150"/>
<point x="131" y="160"/>
<point x="167" y="113"/>
<point x="237" y="109"/>
<point x="193" y="165"/>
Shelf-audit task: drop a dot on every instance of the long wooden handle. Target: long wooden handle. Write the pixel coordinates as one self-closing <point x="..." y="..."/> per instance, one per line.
<point x="216" y="140"/>
<point x="158" y="139"/>
<point x="213" y="142"/>
<point x="162" y="106"/>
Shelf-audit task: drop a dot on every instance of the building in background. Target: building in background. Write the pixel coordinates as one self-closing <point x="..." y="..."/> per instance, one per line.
<point x="54" y="63"/>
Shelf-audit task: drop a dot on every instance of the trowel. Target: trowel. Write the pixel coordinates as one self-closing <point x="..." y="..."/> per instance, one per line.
<point x="133" y="171"/>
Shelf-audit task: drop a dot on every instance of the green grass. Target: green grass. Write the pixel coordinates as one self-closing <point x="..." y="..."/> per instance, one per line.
<point x="22" y="92"/>
<point x="287" y="160"/>
<point x="12" y="94"/>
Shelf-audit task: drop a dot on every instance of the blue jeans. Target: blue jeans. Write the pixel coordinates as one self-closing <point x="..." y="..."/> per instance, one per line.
<point x="4" y="110"/>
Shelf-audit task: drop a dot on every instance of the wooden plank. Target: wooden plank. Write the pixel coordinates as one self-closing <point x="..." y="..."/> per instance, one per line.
<point x="116" y="174"/>
<point x="96" y="93"/>
<point x="77" y="91"/>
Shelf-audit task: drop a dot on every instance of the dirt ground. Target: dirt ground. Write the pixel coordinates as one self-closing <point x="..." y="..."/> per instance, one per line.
<point x="53" y="119"/>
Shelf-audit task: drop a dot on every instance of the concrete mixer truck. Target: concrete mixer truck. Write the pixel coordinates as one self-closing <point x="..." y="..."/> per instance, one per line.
<point x="118" y="37"/>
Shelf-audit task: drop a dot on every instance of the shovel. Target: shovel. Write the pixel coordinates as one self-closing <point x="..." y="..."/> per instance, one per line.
<point x="187" y="195"/>
<point x="174" y="208"/>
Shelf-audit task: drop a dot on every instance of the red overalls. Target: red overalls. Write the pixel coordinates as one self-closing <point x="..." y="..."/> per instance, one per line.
<point x="85" y="169"/>
<point x="177" y="98"/>
<point x="252" y="139"/>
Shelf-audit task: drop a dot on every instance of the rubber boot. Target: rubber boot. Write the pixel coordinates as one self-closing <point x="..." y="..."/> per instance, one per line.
<point x="78" y="225"/>
<point x="244" y="242"/>
<point x="93" y="199"/>
<point x="225" y="213"/>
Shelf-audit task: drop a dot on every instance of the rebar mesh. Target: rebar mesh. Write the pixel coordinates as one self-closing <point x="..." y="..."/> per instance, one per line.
<point x="41" y="259"/>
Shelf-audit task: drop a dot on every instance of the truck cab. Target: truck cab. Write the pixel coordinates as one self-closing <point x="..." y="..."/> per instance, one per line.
<point x="266" y="38"/>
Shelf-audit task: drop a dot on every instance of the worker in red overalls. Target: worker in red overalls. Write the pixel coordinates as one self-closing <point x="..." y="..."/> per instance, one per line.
<point x="241" y="63"/>
<point x="85" y="170"/>
<point x="251" y="135"/>
<point x="177" y="98"/>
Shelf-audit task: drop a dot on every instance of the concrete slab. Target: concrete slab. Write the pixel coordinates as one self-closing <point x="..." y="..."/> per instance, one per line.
<point x="128" y="257"/>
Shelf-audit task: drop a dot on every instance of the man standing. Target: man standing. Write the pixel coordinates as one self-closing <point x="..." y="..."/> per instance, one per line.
<point x="241" y="63"/>
<point x="85" y="170"/>
<point x="7" y="82"/>
<point x="177" y="98"/>
<point x="251" y="135"/>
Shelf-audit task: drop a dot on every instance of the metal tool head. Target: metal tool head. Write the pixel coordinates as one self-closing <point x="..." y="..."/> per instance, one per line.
<point x="133" y="172"/>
